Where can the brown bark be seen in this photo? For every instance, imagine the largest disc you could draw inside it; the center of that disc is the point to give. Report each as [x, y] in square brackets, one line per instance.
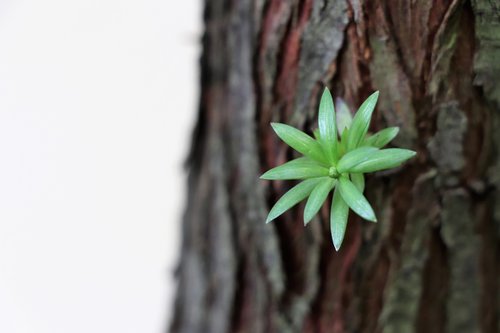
[431, 263]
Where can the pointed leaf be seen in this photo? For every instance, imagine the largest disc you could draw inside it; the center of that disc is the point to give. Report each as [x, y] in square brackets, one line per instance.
[317, 198]
[327, 126]
[361, 122]
[382, 137]
[299, 141]
[338, 219]
[299, 168]
[354, 157]
[316, 134]
[344, 115]
[343, 142]
[358, 179]
[355, 199]
[292, 197]
[384, 159]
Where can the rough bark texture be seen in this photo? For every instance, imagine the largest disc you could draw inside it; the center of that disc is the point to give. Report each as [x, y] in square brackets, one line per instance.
[432, 263]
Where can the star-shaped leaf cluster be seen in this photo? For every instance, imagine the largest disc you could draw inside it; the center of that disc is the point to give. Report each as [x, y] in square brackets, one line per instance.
[336, 159]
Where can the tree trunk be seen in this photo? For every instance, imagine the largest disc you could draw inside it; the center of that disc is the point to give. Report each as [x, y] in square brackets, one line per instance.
[431, 263]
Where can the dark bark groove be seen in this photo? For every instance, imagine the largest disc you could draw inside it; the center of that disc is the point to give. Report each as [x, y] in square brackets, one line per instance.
[432, 262]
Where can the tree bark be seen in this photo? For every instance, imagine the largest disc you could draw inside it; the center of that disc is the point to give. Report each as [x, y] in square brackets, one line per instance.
[431, 263]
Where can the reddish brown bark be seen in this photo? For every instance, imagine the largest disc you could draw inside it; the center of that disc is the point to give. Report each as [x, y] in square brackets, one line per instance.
[431, 264]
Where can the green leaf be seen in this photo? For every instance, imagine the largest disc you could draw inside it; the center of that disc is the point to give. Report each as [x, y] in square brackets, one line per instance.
[338, 219]
[361, 122]
[344, 116]
[355, 199]
[317, 198]
[354, 157]
[292, 197]
[343, 142]
[358, 179]
[382, 137]
[299, 168]
[384, 159]
[299, 141]
[316, 134]
[327, 126]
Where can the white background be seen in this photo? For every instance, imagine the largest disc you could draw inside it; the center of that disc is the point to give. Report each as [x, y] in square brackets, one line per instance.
[97, 103]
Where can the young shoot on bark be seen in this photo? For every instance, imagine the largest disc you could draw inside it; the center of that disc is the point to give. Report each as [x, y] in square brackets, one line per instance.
[335, 160]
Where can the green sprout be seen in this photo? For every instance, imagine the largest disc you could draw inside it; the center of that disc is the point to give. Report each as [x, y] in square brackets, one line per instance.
[333, 164]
